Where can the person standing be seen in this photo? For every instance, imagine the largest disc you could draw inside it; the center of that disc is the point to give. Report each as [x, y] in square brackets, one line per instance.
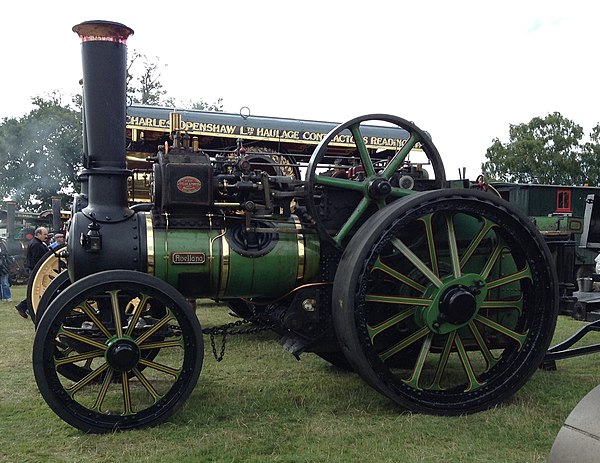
[5, 264]
[35, 251]
[57, 240]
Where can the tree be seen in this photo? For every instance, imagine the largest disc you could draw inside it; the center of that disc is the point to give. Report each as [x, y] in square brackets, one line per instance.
[202, 105]
[41, 153]
[590, 162]
[548, 150]
[147, 88]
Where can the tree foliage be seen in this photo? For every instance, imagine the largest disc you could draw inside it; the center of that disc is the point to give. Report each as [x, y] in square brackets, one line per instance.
[146, 88]
[548, 150]
[41, 153]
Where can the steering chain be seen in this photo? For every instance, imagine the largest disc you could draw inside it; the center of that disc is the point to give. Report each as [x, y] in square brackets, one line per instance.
[229, 329]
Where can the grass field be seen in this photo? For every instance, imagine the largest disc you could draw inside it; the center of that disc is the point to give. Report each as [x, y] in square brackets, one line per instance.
[260, 405]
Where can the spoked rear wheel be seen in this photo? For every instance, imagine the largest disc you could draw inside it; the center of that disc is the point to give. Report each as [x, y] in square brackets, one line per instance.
[137, 339]
[459, 283]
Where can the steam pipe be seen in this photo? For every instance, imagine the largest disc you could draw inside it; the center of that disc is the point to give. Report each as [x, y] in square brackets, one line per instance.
[104, 57]
[56, 225]
[11, 207]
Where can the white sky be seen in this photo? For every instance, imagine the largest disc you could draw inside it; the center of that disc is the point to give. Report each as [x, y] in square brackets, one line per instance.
[462, 70]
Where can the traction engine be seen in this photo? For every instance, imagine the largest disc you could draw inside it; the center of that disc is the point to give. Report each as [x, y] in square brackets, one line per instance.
[443, 299]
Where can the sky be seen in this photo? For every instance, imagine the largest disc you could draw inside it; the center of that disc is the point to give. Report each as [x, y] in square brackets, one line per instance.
[461, 70]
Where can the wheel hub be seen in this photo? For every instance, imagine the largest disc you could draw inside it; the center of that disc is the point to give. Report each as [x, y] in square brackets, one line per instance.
[454, 304]
[457, 305]
[380, 188]
[123, 354]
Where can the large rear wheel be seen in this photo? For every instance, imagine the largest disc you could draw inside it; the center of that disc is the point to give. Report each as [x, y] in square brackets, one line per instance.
[457, 282]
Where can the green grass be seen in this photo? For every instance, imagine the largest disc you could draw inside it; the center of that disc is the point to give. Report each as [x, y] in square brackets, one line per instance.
[261, 405]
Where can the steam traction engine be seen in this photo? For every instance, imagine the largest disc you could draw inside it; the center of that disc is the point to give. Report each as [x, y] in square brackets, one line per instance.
[444, 300]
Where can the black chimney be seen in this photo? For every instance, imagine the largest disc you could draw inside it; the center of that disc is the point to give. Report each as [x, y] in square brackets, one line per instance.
[104, 233]
[104, 55]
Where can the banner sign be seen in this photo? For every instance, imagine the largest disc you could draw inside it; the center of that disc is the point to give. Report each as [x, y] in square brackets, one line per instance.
[216, 124]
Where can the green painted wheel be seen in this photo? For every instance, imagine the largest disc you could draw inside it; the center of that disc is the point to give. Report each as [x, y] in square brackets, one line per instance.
[347, 187]
[459, 283]
[144, 343]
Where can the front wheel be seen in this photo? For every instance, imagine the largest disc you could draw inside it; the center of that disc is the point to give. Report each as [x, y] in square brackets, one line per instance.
[136, 338]
[458, 285]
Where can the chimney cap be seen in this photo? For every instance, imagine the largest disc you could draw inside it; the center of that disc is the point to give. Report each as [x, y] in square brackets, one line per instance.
[104, 31]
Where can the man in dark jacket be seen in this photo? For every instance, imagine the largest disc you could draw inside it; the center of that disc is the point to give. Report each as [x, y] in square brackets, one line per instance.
[35, 251]
[37, 247]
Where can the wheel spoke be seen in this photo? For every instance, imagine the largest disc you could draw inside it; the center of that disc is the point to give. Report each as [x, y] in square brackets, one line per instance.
[363, 152]
[466, 364]
[91, 312]
[400, 192]
[515, 304]
[379, 265]
[147, 385]
[162, 322]
[519, 337]
[453, 247]
[427, 221]
[404, 344]
[160, 367]
[485, 228]
[137, 312]
[341, 183]
[126, 394]
[493, 258]
[524, 274]
[162, 344]
[420, 301]
[87, 379]
[80, 338]
[114, 302]
[103, 389]
[400, 156]
[417, 262]
[352, 220]
[78, 358]
[442, 363]
[392, 321]
[490, 360]
[413, 381]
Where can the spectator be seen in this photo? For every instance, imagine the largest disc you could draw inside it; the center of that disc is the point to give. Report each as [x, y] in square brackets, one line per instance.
[35, 251]
[57, 240]
[5, 264]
